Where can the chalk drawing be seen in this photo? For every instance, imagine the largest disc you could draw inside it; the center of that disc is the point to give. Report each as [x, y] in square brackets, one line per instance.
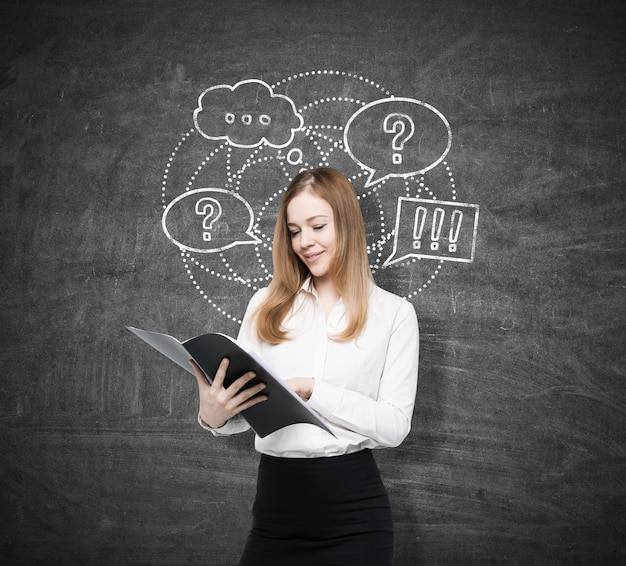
[247, 115]
[398, 124]
[451, 224]
[225, 177]
[397, 115]
[232, 214]
[210, 210]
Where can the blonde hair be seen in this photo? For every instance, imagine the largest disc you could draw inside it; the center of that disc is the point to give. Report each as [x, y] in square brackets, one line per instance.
[349, 268]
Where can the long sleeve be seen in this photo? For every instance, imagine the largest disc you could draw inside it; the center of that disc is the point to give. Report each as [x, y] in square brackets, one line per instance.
[386, 418]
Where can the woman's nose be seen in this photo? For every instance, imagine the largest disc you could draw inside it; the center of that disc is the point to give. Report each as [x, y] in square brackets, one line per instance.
[306, 239]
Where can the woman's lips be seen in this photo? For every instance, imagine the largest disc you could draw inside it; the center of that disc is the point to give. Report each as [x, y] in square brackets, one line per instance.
[311, 258]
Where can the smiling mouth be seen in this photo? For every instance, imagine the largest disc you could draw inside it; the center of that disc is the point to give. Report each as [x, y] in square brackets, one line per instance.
[312, 257]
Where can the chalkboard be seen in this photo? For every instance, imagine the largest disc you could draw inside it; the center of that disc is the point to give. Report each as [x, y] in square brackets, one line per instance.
[143, 152]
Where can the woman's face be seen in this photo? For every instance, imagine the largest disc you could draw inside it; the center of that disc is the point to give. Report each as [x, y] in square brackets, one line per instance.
[311, 223]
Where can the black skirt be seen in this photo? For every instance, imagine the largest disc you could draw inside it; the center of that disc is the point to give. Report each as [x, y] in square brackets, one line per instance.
[320, 512]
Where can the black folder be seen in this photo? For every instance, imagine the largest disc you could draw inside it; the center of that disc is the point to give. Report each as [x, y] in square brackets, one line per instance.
[282, 407]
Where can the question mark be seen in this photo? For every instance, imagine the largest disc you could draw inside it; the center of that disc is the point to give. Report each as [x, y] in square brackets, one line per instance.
[396, 123]
[211, 209]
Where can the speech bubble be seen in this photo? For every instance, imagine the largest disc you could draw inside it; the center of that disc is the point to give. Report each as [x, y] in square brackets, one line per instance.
[246, 115]
[397, 137]
[434, 229]
[209, 220]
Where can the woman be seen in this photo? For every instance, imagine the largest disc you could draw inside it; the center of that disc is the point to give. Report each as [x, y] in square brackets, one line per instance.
[350, 350]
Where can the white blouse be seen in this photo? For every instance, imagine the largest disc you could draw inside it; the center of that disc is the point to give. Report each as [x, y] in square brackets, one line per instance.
[364, 389]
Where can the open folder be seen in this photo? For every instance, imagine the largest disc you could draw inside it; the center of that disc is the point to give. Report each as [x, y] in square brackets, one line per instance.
[282, 407]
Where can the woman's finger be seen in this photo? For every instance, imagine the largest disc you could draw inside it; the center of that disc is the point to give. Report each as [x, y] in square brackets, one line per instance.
[220, 374]
[239, 383]
[247, 393]
[200, 377]
[251, 402]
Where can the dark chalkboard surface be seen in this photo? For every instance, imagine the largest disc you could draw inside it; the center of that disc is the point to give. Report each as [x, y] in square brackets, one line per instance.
[143, 152]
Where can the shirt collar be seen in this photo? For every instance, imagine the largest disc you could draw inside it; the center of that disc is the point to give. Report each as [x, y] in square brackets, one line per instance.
[308, 287]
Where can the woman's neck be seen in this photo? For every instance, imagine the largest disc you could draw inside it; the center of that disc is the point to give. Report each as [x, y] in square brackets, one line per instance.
[327, 293]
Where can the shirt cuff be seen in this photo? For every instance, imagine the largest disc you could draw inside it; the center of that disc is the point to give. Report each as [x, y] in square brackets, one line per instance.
[232, 426]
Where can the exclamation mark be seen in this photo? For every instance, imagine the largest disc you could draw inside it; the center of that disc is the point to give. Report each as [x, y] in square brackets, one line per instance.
[418, 226]
[455, 227]
[435, 232]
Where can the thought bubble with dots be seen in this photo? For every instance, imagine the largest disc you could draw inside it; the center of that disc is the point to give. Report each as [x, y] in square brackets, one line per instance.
[247, 115]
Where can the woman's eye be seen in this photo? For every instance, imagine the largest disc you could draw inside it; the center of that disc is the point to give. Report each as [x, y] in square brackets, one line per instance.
[294, 233]
[319, 227]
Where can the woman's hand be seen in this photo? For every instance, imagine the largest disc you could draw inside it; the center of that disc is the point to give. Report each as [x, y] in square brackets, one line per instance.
[219, 403]
[302, 386]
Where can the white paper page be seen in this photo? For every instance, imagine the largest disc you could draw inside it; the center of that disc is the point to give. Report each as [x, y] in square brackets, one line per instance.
[167, 345]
